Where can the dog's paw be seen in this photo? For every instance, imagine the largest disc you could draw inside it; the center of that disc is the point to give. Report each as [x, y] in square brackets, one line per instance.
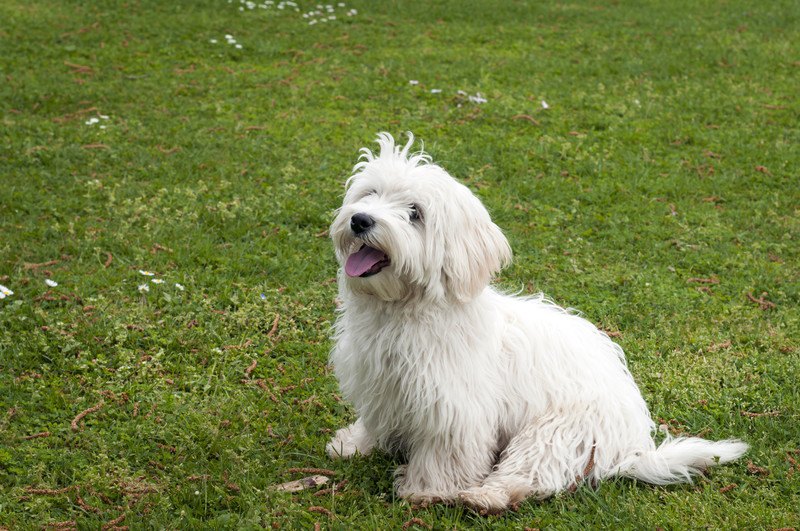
[344, 445]
[417, 494]
[485, 500]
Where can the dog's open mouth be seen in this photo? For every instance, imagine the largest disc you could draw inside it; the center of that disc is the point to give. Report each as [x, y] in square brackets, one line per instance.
[365, 262]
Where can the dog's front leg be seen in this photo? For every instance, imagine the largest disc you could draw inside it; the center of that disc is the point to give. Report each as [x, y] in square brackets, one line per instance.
[351, 440]
[437, 470]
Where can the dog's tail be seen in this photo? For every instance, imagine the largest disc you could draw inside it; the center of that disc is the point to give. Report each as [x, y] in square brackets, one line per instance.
[678, 460]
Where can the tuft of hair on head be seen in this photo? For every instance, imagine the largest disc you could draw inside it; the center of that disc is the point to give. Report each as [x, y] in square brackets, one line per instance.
[389, 151]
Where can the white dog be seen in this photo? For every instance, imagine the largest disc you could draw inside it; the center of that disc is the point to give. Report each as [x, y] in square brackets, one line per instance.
[491, 398]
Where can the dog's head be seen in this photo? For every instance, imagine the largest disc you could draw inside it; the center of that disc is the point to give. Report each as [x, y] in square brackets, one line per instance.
[406, 228]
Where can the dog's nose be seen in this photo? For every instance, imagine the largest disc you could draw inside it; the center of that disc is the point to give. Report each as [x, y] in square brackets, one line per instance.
[361, 222]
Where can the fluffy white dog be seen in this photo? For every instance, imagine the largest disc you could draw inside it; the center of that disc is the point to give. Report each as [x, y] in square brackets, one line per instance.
[491, 398]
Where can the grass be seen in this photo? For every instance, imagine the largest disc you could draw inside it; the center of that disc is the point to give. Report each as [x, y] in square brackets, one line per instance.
[669, 153]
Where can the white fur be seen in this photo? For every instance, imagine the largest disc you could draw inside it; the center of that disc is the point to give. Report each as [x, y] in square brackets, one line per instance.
[491, 398]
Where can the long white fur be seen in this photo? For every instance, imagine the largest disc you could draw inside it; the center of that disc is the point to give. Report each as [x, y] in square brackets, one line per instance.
[492, 398]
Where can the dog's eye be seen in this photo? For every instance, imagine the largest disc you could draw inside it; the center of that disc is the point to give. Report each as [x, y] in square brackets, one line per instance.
[414, 213]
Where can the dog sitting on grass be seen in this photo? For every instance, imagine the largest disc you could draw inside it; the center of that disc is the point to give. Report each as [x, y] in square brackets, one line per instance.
[491, 398]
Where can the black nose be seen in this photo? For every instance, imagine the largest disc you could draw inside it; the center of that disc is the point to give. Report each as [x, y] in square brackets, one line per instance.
[361, 222]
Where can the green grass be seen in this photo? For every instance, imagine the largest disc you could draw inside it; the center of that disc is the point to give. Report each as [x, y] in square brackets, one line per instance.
[669, 152]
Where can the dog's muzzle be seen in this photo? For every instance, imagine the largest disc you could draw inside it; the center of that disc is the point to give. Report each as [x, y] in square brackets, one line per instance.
[361, 223]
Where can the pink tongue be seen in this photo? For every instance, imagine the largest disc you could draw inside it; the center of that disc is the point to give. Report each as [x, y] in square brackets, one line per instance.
[362, 261]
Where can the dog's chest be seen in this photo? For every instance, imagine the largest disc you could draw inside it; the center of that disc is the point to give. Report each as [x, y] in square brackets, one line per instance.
[398, 373]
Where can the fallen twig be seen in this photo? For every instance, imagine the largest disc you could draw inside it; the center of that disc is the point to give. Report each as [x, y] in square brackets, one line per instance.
[526, 117]
[67, 524]
[250, 368]
[763, 303]
[274, 325]
[757, 470]
[28, 266]
[83, 413]
[320, 510]
[85, 506]
[113, 523]
[74, 115]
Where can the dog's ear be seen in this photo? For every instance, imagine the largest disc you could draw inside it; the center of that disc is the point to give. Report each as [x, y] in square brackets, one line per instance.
[475, 250]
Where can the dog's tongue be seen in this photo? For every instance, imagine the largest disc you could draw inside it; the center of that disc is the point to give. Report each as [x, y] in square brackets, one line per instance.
[362, 261]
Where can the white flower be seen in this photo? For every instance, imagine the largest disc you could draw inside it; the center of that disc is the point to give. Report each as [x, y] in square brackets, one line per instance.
[477, 98]
[332, 17]
[144, 287]
[312, 22]
[436, 91]
[5, 292]
[413, 82]
[103, 116]
[92, 121]
[157, 281]
[227, 36]
[340, 4]
[179, 286]
[147, 273]
[462, 93]
[545, 105]
[51, 283]
[213, 41]
[239, 46]
[197, 493]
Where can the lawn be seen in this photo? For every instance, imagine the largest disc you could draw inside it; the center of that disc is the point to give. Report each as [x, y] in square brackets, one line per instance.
[173, 168]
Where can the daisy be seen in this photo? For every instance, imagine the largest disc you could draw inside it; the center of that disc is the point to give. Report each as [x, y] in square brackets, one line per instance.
[51, 283]
[157, 281]
[545, 105]
[179, 286]
[147, 273]
[144, 287]
[5, 292]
